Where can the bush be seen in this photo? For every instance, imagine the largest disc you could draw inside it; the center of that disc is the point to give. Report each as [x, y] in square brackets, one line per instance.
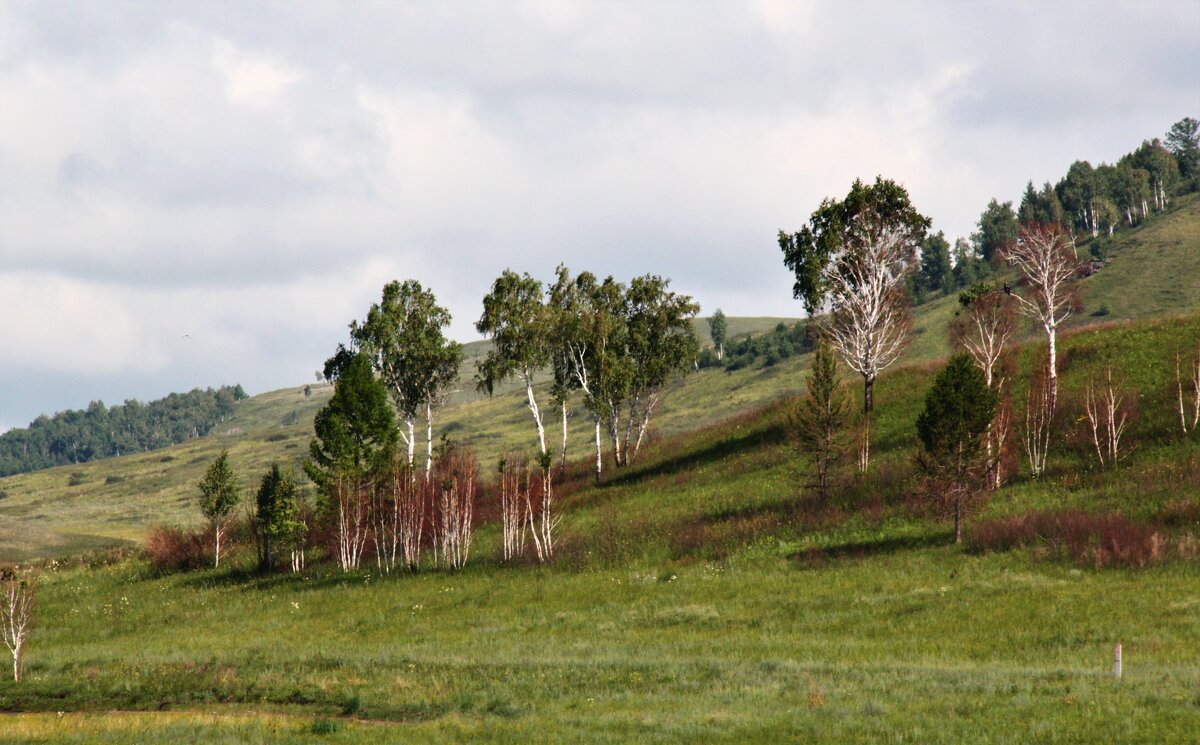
[175, 549]
[1100, 539]
[114, 479]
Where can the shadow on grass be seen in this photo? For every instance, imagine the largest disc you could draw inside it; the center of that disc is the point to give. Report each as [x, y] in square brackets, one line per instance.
[772, 434]
[815, 557]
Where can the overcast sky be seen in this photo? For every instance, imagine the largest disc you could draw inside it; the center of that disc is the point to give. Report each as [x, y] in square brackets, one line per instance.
[197, 194]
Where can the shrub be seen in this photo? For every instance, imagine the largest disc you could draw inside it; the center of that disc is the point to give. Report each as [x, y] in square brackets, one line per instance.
[1100, 539]
[114, 479]
[77, 478]
[175, 549]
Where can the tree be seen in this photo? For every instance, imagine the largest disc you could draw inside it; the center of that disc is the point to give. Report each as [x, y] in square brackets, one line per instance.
[220, 494]
[1040, 208]
[983, 333]
[18, 597]
[997, 226]
[1045, 258]
[969, 269]
[717, 326]
[276, 514]
[356, 437]
[822, 415]
[1183, 140]
[660, 342]
[403, 337]
[958, 410]
[854, 258]
[516, 319]
[1161, 167]
[1077, 192]
[936, 270]
[593, 331]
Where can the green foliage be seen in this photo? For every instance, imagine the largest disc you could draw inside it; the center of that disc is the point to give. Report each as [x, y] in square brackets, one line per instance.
[277, 514]
[780, 343]
[659, 336]
[969, 268]
[958, 410]
[403, 338]
[99, 432]
[1183, 141]
[219, 490]
[516, 320]
[997, 227]
[717, 328]
[830, 230]
[935, 272]
[1040, 208]
[356, 431]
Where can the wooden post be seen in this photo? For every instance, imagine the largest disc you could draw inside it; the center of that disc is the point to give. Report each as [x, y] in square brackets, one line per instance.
[1117, 661]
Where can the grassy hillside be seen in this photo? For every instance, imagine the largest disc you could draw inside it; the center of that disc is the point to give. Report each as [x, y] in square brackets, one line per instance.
[701, 595]
[63, 510]
[1155, 270]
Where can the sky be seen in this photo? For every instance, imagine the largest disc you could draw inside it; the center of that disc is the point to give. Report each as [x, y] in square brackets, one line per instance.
[194, 194]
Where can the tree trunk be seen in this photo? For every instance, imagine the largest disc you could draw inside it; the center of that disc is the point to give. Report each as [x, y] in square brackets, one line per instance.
[868, 394]
[957, 514]
[1052, 366]
[562, 461]
[216, 545]
[428, 439]
[537, 414]
[599, 453]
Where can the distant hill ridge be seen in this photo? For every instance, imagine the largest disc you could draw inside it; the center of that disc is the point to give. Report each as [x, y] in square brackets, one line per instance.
[81, 435]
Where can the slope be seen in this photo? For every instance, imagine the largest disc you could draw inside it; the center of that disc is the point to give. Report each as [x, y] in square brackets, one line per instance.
[698, 596]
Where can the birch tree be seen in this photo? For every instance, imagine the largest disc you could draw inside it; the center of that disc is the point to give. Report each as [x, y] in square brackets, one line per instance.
[403, 337]
[593, 331]
[18, 593]
[1044, 256]
[516, 319]
[660, 343]
[851, 262]
[220, 493]
[718, 326]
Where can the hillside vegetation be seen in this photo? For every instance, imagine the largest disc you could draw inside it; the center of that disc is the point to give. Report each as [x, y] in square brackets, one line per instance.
[62, 510]
[701, 594]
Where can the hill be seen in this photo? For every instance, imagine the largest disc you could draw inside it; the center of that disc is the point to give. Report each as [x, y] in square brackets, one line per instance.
[63, 510]
[700, 595]
[59, 511]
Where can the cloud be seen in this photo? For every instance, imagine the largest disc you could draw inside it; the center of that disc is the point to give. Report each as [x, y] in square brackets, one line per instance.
[253, 177]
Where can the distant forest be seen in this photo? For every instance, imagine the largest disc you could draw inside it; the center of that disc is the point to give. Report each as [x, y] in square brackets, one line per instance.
[82, 435]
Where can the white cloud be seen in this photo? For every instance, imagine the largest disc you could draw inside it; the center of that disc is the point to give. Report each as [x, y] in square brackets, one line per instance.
[252, 178]
[251, 79]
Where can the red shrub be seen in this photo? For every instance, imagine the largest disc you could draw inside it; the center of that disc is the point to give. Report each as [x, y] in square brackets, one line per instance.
[1101, 539]
[175, 549]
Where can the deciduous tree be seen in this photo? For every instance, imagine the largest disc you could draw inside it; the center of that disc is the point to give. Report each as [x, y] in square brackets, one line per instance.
[220, 493]
[717, 328]
[1044, 256]
[403, 336]
[18, 597]
[853, 260]
[515, 317]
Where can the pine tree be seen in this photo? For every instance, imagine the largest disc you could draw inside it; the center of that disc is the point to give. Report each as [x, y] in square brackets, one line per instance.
[958, 410]
[822, 415]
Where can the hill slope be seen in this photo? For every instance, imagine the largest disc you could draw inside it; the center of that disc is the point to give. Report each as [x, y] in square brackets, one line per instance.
[699, 595]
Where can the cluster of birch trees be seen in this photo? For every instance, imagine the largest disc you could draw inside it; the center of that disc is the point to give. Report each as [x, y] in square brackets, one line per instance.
[613, 347]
